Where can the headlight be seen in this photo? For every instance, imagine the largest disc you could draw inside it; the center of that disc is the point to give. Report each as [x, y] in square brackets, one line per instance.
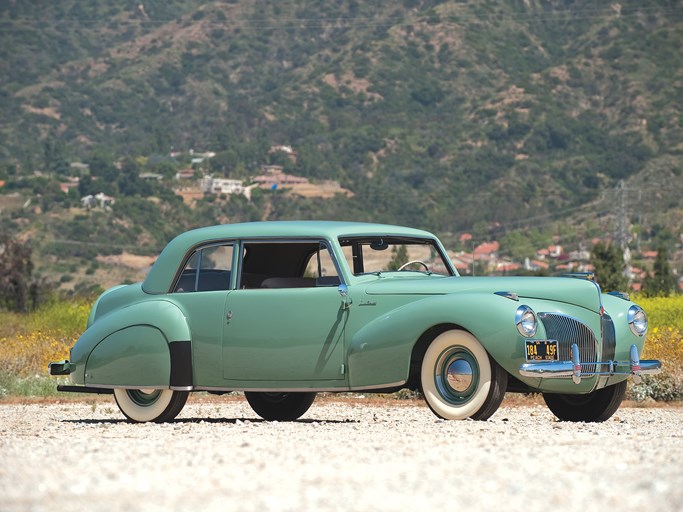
[637, 320]
[526, 322]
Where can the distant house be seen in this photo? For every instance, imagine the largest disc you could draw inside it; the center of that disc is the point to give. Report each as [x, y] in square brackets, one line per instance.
[100, 199]
[273, 177]
[151, 176]
[555, 251]
[507, 266]
[226, 186]
[486, 250]
[535, 265]
[462, 262]
[70, 184]
[649, 255]
[185, 174]
[581, 255]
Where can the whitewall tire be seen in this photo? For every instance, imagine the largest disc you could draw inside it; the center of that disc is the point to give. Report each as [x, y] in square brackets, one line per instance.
[142, 405]
[459, 380]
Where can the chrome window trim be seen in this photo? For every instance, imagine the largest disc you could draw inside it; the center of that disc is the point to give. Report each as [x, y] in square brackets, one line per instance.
[427, 240]
[200, 247]
[269, 240]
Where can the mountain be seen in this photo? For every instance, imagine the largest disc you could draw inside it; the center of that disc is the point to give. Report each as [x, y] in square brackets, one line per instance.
[437, 114]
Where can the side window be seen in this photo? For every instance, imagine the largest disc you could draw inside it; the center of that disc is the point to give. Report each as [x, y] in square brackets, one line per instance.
[287, 264]
[208, 269]
[322, 268]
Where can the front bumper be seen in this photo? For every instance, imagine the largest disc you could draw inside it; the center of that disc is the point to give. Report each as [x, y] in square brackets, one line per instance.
[573, 368]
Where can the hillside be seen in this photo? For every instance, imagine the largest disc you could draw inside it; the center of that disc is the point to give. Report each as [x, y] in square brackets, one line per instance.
[443, 115]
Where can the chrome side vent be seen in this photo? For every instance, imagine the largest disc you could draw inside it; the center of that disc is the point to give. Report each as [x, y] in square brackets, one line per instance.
[609, 339]
[567, 330]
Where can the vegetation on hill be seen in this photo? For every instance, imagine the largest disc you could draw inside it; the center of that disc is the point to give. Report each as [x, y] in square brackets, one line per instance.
[444, 115]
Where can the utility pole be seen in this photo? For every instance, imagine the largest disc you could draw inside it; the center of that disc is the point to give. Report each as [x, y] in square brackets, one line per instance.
[621, 235]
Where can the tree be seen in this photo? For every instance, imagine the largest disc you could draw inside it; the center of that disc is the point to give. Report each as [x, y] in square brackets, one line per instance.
[398, 257]
[20, 290]
[663, 282]
[608, 262]
[517, 245]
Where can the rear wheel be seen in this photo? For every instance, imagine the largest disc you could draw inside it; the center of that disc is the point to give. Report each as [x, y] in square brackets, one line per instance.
[597, 406]
[459, 379]
[158, 405]
[280, 406]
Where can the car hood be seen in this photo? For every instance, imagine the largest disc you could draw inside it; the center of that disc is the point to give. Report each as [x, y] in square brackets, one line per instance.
[579, 292]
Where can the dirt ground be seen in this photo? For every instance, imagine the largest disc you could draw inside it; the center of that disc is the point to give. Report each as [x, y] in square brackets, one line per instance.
[347, 453]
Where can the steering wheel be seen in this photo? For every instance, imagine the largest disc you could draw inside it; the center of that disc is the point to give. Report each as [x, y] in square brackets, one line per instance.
[419, 262]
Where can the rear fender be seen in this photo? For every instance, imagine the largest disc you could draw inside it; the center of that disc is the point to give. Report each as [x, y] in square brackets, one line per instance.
[135, 356]
[143, 330]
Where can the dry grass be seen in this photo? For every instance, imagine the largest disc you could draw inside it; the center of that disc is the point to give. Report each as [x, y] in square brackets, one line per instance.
[28, 342]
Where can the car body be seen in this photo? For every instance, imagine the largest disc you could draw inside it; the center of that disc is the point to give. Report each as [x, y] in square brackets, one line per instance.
[282, 310]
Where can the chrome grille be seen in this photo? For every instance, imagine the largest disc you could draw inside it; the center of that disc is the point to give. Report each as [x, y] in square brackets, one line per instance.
[609, 339]
[567, 330]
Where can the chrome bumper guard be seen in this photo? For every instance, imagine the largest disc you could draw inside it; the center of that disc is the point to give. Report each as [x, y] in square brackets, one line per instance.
[563, 369]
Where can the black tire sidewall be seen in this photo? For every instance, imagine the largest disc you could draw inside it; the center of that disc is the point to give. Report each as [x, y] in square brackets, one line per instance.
[597, 406]
[280, 406]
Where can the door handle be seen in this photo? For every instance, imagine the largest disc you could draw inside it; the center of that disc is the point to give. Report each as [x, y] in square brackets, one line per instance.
[228, 316]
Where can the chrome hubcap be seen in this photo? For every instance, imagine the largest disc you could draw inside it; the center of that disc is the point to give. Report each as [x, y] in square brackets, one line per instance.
[144, 397]
[459, 375]
[456, 375]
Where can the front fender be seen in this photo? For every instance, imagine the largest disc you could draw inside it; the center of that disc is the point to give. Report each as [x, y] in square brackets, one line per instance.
[379, 353]
[145, 327]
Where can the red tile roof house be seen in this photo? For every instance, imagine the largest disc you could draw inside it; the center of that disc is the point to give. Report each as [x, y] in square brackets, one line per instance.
[274, 178]
[487, 250]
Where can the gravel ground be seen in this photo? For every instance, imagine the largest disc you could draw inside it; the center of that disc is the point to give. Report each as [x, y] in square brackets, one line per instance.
[350, 455]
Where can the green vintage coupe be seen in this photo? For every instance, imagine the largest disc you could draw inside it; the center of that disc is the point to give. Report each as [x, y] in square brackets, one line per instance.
[283, 310]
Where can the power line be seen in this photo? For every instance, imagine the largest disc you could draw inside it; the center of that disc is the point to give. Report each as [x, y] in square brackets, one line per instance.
[360, 21]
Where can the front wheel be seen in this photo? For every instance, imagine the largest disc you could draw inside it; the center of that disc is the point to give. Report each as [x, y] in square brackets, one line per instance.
[280, 406]
[597, 406]
[142, 405]
[459, 379]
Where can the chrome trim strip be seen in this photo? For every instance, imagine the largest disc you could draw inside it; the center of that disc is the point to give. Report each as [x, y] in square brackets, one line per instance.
[508, 295]
[380, 386]
[267, 390]
[182, 388]
[621, 295]
[109, 386]
[339, 389]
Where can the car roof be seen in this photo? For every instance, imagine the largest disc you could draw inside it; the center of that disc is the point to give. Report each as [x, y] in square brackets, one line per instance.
[163, 271]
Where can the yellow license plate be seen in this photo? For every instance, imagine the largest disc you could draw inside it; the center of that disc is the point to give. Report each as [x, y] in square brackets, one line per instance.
[542, 350]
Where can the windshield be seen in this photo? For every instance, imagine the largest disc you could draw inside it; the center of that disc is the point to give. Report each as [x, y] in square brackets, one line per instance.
[379, 254]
